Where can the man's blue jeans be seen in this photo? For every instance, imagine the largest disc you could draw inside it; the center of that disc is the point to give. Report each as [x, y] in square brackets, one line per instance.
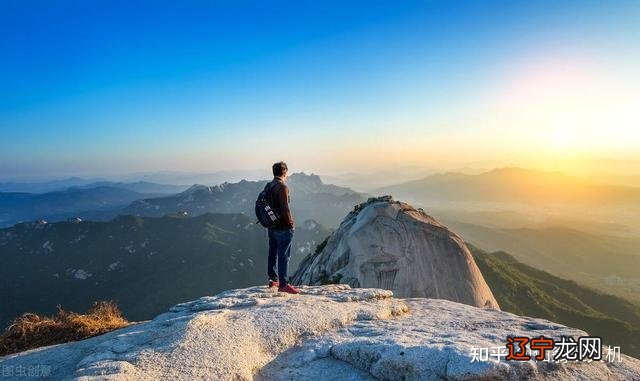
[280, 249]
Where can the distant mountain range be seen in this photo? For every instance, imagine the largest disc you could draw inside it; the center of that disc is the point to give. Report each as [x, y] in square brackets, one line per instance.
[96, 203]
[211, 178]
[310, 199]
[170, 178]
[139, 186]
[597, 260]
[524, 290]
[102, 201]
[512, 185]
[175, 178]
[145, 264]
[45, 186]
[77, 182]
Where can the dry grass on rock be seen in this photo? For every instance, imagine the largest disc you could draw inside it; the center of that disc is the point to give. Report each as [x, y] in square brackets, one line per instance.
[32, 331]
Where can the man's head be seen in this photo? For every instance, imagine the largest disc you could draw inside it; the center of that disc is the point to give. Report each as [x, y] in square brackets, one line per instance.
[280, 169]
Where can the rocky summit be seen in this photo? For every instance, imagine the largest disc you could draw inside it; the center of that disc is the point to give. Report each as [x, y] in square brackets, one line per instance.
[328, 332]
[391, 245]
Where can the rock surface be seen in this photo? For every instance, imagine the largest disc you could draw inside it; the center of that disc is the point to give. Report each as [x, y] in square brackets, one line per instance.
[326, 333]
[391, 245]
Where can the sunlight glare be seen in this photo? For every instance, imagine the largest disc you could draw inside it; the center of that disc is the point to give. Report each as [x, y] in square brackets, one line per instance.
[561, 138]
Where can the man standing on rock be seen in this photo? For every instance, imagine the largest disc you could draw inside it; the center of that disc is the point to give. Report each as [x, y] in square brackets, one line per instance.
[281, 235]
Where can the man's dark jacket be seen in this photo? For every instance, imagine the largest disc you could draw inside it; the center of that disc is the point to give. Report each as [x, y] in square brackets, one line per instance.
[278, 198]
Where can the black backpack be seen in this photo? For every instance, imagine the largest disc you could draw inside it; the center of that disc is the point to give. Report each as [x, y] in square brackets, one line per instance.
[267, 217]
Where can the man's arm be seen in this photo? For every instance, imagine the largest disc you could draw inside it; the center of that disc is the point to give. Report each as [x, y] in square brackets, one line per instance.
[282, 198]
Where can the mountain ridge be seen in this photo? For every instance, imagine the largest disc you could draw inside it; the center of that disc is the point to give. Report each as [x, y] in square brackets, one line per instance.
[314, 199]
[528, 291]
[59, 205]
[310, 199]
[512, 184]
[143, 263]
[588, 258]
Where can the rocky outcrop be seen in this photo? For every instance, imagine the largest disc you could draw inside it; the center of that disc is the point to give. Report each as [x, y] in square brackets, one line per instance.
[326, 333]
[391, 245]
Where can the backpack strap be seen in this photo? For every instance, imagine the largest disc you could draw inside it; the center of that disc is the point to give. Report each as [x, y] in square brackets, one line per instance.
[270, 186]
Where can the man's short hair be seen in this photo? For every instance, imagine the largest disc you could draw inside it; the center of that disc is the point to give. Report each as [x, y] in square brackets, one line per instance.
[279, 168]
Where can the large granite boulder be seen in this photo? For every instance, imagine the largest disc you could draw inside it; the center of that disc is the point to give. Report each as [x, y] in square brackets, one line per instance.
[391, 245]
[329, 332]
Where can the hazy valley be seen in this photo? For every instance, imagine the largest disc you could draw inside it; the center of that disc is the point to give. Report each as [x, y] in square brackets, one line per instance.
[146, 264]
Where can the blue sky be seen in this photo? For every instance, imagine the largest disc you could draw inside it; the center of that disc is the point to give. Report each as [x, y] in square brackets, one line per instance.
[119, 86]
